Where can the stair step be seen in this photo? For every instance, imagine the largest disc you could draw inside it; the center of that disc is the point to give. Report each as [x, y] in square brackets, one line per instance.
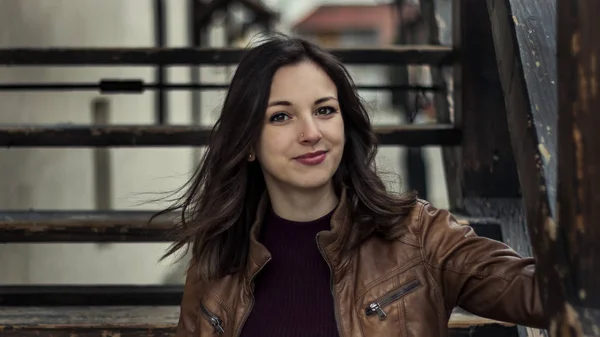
[126, 226]
[180, 135]
[84, 226]
[160, 321]
[417, 54]
[86, 295]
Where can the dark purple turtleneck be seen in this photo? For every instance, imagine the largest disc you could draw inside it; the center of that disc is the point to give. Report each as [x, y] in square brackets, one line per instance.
[292, 292]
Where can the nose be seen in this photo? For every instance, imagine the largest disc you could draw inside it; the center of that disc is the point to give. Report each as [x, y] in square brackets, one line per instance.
[310, 132]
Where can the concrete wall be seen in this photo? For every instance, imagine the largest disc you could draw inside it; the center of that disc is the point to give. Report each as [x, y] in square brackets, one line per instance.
[62, 179]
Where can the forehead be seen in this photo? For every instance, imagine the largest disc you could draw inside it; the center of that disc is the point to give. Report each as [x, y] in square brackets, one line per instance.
[305, 80]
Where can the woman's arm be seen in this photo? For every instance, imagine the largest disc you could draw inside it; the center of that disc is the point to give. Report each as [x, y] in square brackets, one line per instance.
[190, 303]
[483, 276]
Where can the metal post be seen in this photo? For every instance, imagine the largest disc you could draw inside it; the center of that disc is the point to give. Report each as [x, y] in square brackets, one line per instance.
[161, 71]
[102, 164]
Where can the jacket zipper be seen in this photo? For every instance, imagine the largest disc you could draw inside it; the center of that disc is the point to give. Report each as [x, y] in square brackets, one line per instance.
[252, 299]
[335, 309]
[377, 306]
[214, 320]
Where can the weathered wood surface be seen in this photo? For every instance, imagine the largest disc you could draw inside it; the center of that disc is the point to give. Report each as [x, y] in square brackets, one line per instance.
[524, 35]
[422, 54]
[160, 321]
[487, 166]
[182, 135]
[128, 226]
[578, 62]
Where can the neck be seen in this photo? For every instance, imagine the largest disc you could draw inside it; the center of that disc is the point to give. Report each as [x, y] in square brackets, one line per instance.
[302, 205]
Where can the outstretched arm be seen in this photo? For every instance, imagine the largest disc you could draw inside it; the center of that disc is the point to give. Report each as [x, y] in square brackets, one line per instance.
[483, 276]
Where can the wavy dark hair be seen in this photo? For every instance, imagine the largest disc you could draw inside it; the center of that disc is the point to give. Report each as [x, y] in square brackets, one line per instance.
[221, 199]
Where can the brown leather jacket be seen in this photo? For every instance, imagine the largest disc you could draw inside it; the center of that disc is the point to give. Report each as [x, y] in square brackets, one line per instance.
[403, 288]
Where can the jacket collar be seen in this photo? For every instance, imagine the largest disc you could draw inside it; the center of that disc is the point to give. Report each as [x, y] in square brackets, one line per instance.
[259, 255]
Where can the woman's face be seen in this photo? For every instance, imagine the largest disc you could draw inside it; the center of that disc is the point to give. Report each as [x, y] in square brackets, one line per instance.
[302, 139]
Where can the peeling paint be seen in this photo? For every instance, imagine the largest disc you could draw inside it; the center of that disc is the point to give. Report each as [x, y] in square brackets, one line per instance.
[575, 43]
[580, 223]
[544, 151]
[582, 294]
[551, 228]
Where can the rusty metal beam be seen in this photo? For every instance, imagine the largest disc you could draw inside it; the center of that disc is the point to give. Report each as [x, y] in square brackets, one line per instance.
[84, 226]
[175, 135]
[161, 321]
[577, 233]
[422, 54]
[128, 226]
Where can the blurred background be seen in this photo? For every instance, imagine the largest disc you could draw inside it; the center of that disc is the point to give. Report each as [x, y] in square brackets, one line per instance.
[131, 178]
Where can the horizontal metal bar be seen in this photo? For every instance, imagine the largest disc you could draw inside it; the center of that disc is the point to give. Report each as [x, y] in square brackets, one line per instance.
[85, 226]
[418, 54]
[84, 295]
[135, 86]
[172, 135]
[128, 226]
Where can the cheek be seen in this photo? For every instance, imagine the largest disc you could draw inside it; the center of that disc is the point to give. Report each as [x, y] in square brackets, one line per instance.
[272, 144]
[336, 132]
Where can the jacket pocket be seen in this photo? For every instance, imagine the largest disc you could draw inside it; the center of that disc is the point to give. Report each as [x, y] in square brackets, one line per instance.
[378, 307]
[215, 321]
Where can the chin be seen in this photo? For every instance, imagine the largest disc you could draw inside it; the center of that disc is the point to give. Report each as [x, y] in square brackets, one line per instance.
[311, 182]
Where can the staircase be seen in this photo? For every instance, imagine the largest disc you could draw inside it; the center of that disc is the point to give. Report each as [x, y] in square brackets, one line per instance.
[128, 311]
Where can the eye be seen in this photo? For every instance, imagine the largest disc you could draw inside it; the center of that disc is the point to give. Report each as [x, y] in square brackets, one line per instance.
[279, 117]
[326, 110]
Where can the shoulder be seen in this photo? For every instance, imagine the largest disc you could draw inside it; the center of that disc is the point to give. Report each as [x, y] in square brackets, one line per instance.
[426, 220]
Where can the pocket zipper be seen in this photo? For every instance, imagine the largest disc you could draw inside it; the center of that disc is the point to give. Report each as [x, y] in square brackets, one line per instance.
[214, 320]
[377, 306]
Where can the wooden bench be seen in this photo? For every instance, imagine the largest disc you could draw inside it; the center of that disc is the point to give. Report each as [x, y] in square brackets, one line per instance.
[160, 321]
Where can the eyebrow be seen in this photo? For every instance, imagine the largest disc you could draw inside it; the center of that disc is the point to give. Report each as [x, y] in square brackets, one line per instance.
[287, 103]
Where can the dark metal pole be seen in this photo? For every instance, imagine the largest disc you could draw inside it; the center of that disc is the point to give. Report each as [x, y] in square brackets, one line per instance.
[161, 72]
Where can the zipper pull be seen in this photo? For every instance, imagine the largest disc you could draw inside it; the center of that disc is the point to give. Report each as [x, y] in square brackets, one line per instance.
[375, 308]
[218, 325]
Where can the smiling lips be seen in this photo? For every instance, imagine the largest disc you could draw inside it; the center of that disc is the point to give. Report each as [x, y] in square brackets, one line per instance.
[313, 158]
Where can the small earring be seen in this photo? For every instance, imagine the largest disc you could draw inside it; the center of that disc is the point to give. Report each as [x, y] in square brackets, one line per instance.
[250, 156]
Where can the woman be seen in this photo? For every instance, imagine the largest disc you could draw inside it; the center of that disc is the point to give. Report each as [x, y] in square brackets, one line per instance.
[292, 232]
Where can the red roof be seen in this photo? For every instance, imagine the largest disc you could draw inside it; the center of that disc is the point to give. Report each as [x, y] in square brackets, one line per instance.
[340, 18]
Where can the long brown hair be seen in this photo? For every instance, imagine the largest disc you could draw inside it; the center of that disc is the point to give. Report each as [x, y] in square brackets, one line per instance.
[220, 201]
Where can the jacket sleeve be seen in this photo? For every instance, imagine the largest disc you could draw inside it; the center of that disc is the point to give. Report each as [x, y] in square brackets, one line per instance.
[186, 327]
[482, 276]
